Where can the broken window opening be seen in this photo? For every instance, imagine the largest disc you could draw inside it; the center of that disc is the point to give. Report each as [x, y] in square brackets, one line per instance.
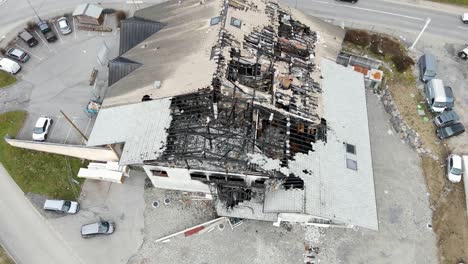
[293, 183]
[198, 176]
[159, 173]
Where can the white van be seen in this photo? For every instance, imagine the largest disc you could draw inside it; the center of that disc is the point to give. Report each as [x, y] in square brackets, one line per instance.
[438, 96]
[9, 66]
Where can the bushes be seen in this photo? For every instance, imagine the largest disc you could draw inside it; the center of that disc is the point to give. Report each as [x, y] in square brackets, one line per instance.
[381, 45]
[358, 37]
[31, 25]
[402, 62]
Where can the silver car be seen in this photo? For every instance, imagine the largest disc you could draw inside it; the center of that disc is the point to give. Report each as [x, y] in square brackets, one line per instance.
[98, 228]
[17, 55]
[64, 26]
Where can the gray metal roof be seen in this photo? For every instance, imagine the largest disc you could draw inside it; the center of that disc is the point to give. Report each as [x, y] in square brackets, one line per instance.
[141, 126]
[134, 30]
[119, 68]
[88, 10]
[332, 190]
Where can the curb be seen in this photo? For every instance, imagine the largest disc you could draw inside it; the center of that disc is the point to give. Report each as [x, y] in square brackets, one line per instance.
[6, 250]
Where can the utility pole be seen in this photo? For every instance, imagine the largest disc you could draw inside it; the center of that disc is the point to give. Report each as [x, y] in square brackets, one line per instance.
[428, 20]
[33, 10]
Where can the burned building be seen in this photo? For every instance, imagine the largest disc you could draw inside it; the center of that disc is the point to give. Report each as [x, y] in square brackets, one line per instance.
[236, 99]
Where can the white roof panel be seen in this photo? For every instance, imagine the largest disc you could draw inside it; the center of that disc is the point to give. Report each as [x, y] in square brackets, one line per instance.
[142, 127]
[333, 190]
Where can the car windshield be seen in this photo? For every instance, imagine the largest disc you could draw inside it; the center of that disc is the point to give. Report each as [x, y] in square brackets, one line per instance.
[38, 130]
[66, 206]
[103, 227]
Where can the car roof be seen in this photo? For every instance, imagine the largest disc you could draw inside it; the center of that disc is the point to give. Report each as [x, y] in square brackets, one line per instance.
[465, 16]
[63, 23]
[40, 122]
[457, 161]
[16, 51]
[90, 228]
[54, 203]
[454, 128]
[449, 115]
[7, 62]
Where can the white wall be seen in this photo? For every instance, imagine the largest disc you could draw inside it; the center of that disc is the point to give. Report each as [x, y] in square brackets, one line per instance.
[82, 152]
[178, 179]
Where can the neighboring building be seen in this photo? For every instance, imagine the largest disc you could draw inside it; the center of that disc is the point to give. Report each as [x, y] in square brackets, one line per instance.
[89, 14]
[229, 100]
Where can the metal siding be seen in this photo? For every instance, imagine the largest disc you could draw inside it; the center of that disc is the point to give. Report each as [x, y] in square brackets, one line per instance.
[119, 68]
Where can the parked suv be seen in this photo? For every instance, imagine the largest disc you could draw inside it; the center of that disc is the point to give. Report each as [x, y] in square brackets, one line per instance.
[61, 206]
[47, 31]
[446, 118]
[28, 38]
[17, 55]
[98, 228]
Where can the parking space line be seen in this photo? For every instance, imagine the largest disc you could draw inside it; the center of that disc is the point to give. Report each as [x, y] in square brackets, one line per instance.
[86, 130]
[58, 32]
[465, 28]
[68, 134]
[43, 40]
[74, 26]
[35, 56]
[55, 126]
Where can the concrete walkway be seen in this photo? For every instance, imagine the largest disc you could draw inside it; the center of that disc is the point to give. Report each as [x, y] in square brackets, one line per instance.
[23, 231]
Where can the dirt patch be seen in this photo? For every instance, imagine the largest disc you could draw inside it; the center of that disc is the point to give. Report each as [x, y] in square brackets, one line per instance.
[449, 220]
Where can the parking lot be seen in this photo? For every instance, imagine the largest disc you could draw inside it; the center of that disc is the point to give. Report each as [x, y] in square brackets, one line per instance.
[56, 78]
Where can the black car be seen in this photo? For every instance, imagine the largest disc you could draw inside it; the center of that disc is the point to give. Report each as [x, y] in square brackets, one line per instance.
[28, 38]
[349, 1]
[47, 31]
[450, 130]
[446, 118]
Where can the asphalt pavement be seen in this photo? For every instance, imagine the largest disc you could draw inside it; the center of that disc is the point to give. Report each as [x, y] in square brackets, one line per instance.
[405, 16]
[24, 232]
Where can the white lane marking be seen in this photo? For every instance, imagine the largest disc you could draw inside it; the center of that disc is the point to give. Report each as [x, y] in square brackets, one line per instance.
[74, 26]
[58, 32]
[369, 10]
[55, 124]
[30, 53]
[43, 40]
[69, 131]
[86, 130]
[465, 28]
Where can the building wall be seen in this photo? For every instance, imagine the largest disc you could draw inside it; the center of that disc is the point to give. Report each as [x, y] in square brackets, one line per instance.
[88, 20]
[82, 152]
[176, 179]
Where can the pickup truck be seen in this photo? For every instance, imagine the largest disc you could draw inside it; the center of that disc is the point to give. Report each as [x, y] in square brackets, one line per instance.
[47, 31]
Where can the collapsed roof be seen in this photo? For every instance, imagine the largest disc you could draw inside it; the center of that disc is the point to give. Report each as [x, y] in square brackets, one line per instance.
[243, 98]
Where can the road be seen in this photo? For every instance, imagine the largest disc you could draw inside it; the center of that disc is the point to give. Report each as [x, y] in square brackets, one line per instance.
[26, 234]
[398, 15]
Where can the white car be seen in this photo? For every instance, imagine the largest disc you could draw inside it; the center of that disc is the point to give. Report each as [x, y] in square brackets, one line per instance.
[62, 206]
[464, 18]
[98, 228]
[64, 26]
[41, 129]
[454, 168]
